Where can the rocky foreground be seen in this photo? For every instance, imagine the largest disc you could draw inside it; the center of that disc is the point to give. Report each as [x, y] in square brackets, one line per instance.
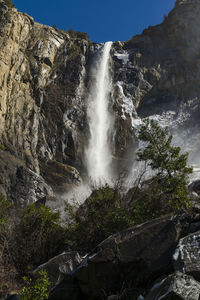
[158, 259]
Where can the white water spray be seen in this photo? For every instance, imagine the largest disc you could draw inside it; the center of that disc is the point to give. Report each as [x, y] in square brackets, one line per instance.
[98, 154]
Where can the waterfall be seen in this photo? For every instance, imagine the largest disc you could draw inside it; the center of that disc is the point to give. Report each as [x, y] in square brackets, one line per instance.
[98, 154]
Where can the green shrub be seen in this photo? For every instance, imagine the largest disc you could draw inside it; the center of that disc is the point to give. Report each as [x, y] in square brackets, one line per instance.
[5, 207]
[38, 237]
[2, 147]
[102, 215]
[36, 289]
[82, 35]
[169, 165]
[8, 273]
[146, 202]
[72, 33]
[78, 34]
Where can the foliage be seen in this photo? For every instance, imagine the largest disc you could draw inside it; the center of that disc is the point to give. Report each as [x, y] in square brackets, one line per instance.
[169, 165]
[9, 3]
[82, 35]
[5, 207]
[78, 34]
[26, 240]
[72, 33]
[36, 289]
[102, 215]
[8, 273]
[2, 147]
[38, 237]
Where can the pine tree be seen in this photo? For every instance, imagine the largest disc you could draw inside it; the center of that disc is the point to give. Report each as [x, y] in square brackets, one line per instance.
[168, 163]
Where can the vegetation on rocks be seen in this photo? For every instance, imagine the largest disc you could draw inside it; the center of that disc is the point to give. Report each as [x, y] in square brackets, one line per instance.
[38, 237]
[103, 214]
[35, 289]
[78, 34]
[27, 239]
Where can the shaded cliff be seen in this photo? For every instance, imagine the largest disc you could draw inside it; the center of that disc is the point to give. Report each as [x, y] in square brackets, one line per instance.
[44, 83]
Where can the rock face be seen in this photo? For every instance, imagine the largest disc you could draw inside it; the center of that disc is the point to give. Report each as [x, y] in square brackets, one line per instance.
[40, 71]
[186, 256]
[59, 267]
[159, 70]
[175, 286]
[132, 255]
[141, 263]
[44, 83]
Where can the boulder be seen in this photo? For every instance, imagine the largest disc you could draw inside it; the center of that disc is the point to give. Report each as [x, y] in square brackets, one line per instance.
[59, 267]
[195, 187]
[60, 176]
[175, 286]
[186, 257]
[137, 254]
[13, 297]
[68, 289]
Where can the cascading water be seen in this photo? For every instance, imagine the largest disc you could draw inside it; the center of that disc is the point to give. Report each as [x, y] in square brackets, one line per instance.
[98, 154]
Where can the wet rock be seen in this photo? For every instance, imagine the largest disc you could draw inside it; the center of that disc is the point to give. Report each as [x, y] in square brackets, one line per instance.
[186, 256]
[195, 187]
[59, 267]
[175, 286]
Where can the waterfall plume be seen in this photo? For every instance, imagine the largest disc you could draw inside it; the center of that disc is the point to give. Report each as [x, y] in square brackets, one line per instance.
[98, 154]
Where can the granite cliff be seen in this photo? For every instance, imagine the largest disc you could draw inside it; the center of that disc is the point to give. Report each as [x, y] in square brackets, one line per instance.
[44, 83]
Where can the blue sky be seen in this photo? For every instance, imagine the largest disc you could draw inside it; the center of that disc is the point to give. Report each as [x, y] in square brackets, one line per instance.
[103, 20]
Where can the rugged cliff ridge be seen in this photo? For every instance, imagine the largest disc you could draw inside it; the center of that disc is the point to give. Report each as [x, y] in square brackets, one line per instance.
[44, 82]
[40, 71]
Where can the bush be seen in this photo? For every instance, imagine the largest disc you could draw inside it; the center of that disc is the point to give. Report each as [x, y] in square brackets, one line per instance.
[38, 237]
[8, 273]
[82, 35]
[5, 207]
[101, 215]
[72, 33]
[36, 289]
[2, 147]
[78, 34]
[5, 229]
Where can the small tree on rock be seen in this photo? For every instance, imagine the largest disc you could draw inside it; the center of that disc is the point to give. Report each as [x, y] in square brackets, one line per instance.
[170, 165]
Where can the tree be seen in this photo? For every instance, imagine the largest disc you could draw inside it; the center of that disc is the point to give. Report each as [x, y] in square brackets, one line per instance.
[169, 164]
[38, 237]
[102, 214]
